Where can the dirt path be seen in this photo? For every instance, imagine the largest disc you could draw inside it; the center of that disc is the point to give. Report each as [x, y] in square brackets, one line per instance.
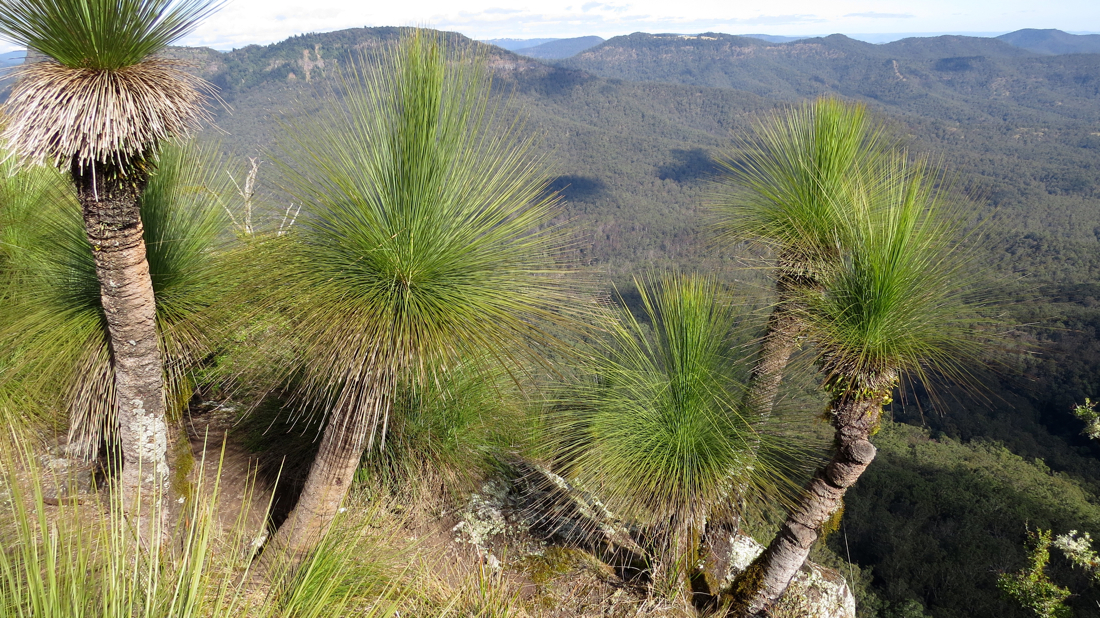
[241, 497]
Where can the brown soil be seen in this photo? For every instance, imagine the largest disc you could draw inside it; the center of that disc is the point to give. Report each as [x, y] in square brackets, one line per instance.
[225, 467]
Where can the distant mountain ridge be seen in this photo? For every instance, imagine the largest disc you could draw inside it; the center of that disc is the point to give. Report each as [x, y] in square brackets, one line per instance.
[12, 58]
[772, 38]
[517, 44]
[561, 48]
[952, 77]
[1053, 41]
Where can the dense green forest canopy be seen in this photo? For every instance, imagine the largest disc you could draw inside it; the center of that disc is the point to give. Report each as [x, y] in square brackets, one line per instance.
[632, 126]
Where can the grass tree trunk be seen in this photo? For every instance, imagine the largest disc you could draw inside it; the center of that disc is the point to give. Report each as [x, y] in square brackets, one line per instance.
[781, 338]
[330, 478]
[856, 413]
[776, 348]
[112, 220]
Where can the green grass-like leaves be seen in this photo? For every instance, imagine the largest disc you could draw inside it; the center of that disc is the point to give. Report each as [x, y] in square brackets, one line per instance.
[656, 431]
[902, 298]
[100, 34]
[429, 234]
[84, 560]
[454, 428]
[789, 186]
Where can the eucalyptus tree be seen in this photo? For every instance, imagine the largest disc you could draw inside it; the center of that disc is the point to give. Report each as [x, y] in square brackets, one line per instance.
[790, 188]
[429, 240]
[53, 328]
[98, 106]
[898, 301]
[656, 429]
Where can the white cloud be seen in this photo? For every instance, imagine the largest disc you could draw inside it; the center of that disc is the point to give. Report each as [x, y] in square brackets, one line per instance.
[874, 15]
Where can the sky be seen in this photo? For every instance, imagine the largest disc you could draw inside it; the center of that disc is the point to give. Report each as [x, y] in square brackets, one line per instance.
[244, 22]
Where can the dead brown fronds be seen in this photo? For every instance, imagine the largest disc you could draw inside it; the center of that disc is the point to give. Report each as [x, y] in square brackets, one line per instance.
[60, 114]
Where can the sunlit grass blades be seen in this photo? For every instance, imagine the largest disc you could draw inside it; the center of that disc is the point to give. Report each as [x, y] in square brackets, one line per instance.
[82, 560]
[903, 299]
[655, 428]
[790, 185]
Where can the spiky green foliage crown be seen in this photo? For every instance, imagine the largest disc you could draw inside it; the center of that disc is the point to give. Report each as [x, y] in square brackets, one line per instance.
[101, 34]
[429, 233]
[790, 184]
[103, 97]
[656, 431]
[903, 297]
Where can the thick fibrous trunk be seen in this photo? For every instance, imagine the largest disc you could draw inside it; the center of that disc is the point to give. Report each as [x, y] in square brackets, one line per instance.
[793, 280]
[775, 352]
[329, 480]
[856, 413]
[112, 221]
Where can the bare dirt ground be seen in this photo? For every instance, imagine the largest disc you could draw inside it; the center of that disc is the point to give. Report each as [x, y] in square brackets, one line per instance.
[226, 470]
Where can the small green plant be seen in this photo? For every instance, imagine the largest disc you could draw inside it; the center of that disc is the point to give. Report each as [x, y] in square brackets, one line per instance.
[1087, 413]
[1030, 587]
[452, 429]
[656, 430]
[1078, 549]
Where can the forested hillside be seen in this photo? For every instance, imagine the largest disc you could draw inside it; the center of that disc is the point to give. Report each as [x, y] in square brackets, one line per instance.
[632, 127]
[561, 48]
[1050, 41]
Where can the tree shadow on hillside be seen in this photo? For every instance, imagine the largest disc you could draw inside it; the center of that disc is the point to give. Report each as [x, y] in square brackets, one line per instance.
[575, 188]
[688, 165]
[554, 83]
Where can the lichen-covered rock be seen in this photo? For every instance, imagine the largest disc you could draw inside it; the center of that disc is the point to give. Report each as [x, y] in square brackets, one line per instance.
[483, 517]
[815, 592]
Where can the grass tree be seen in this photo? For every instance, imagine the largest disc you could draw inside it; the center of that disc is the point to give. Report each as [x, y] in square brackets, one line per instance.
[789, 188]
[24, 195]
[428, 241]
[898, 302]
[452, 430]
[656, 430]
[52, 327]
[98, 106]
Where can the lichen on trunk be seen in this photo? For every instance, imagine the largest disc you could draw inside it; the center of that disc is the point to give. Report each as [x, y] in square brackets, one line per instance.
[109, 197]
